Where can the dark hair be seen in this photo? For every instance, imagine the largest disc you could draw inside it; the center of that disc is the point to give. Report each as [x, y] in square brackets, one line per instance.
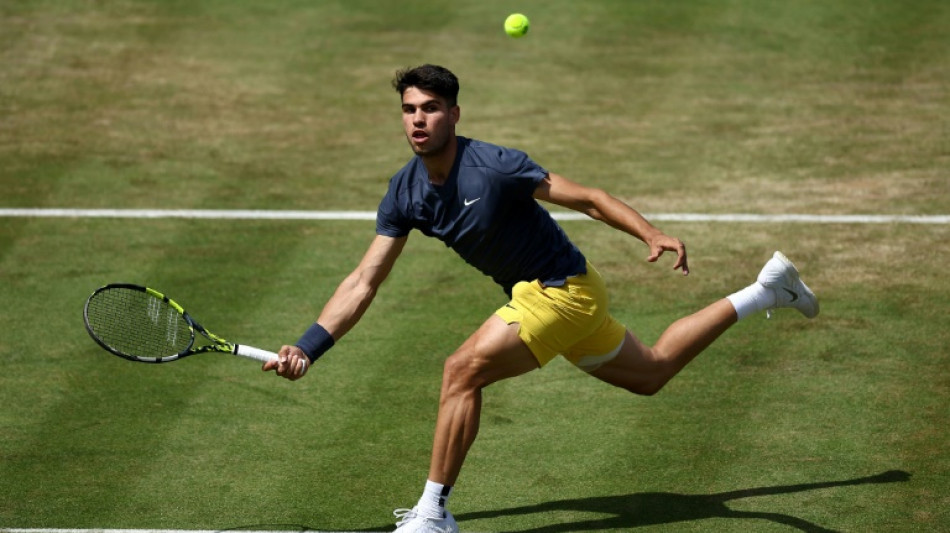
[430, 78]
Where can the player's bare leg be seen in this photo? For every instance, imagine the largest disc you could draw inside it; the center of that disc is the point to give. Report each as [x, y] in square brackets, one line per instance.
[493, 353]
[645, 370]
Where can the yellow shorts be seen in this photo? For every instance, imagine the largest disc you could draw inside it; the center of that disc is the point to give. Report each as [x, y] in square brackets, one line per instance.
[571, 320]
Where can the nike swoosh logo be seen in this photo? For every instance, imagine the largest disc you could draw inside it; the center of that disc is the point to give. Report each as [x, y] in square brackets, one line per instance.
[470, 202]
[792, 293]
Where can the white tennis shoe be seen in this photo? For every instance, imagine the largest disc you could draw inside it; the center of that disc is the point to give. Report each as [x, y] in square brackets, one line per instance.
[410, 521]
[780, 275]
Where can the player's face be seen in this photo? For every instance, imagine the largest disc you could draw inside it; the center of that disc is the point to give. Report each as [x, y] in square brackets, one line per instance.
[428, 120]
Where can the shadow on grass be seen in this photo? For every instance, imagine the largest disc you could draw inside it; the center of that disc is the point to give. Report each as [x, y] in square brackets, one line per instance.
[655, 508]
[647, 509]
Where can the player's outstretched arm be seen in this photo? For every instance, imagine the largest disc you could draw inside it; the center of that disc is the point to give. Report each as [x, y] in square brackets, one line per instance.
[357, 290]
[600, 205]
[347, 305]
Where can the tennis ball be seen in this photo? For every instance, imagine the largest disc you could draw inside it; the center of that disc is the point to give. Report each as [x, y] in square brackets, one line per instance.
[516, 25]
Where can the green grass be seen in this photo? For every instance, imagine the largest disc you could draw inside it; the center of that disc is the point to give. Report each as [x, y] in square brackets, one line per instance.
[763, 107]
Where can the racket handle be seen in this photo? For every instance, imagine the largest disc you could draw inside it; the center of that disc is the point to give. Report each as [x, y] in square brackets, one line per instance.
[260, 355]
[254, 353]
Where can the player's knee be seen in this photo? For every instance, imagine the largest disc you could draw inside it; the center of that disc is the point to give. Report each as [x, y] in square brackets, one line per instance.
[648, 388]
[460, 373]
[639, 384]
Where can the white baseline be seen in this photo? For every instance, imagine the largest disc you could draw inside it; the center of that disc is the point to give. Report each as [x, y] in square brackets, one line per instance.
[96, 530]
[251, 214]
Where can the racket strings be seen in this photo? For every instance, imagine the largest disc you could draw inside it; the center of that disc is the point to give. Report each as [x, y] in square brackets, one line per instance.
[136, 323]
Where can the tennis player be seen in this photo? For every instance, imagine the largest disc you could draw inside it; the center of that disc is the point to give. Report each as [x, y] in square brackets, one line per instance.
[482, 201]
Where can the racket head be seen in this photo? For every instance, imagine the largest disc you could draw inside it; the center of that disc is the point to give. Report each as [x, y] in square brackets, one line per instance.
[138, 323]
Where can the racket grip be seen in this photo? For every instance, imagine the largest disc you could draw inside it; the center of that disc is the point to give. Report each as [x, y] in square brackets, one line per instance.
[254, 353]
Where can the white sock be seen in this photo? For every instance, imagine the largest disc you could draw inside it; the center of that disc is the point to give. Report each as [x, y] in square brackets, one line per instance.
[752, 299]
[432, 502]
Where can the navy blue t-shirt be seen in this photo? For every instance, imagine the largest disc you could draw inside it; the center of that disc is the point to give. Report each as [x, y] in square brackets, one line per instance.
[486, 212]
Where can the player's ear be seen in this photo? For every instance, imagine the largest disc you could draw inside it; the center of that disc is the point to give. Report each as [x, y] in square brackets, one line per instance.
[455, 113]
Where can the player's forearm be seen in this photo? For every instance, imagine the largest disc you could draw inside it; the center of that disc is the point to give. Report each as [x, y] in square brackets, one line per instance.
[339, 315]
[621, 216]
[356, 292]
[347, 305]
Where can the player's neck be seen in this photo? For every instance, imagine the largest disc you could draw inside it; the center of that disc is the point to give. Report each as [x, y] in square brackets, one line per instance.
[439, 165]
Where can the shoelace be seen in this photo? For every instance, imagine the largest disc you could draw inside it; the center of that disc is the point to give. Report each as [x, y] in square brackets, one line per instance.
[407, 515]
[404, 515]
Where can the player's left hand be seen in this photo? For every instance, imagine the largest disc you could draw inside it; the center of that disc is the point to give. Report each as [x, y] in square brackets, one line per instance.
[662, 243]
[291, 363]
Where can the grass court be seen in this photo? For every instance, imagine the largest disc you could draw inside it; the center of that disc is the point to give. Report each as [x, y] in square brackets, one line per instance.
[759, 107]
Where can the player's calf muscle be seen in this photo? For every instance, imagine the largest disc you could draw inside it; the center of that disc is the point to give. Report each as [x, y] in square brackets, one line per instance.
[640, 384]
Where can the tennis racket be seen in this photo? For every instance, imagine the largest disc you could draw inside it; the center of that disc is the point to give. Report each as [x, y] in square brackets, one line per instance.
[141, 324]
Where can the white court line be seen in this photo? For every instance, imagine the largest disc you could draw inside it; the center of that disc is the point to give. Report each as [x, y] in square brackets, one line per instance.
[102, 530]
[231, 530]
[226, 214]
[213, 214]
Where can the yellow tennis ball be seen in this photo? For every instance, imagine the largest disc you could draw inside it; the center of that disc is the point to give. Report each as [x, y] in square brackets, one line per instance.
[516, 25]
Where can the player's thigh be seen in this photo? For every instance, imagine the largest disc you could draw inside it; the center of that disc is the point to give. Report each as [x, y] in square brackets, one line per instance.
[494, 352]
[635, 367]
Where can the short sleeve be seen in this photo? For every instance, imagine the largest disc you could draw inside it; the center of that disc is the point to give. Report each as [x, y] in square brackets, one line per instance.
[516, 164]
[390, 220]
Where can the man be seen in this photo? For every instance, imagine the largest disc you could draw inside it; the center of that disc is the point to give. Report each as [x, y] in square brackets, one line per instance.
[480, 199]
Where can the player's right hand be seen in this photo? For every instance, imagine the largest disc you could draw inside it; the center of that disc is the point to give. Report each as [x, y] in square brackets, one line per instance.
[291, 363]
